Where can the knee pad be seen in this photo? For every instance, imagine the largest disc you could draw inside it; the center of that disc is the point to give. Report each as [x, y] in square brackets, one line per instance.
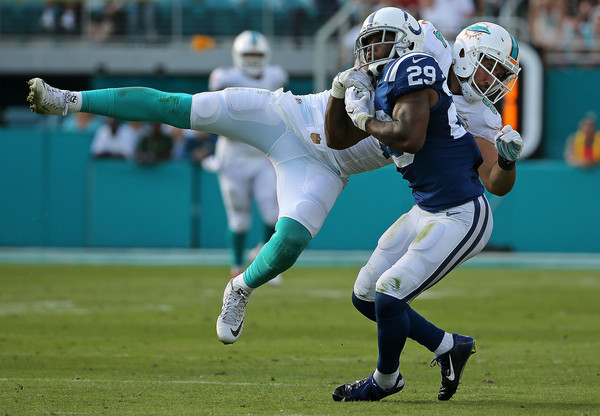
[290, 239]
[398, 282]
[364, 286]
[206, 108]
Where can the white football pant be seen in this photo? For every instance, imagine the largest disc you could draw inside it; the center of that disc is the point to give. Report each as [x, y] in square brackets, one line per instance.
[422, 247]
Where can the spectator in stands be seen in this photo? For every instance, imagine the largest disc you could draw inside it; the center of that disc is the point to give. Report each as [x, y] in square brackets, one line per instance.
[300, 18]
[591, 35]
[154, 146]
[546, 24]
[66, 12]
[448, 16]
[142, 23]
[115, 139]
[107, 19]
[583, 147]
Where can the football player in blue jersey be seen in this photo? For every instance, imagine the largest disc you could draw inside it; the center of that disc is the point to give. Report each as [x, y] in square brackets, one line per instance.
[412, 113]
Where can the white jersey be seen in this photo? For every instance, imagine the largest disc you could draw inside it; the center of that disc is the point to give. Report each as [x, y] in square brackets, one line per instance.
[480, 118]
[307, 119]
[273, 77]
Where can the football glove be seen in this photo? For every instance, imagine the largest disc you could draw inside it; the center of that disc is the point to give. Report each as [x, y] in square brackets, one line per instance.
[509, 144]
[360, 106]
[350, 78]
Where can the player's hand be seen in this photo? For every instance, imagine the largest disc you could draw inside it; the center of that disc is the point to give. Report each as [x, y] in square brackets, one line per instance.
[351, 78]
[509, 144]
[360, 106]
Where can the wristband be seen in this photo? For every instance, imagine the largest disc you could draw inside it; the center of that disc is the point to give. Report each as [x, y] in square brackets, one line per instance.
[337, 91]
[361, 121]
[506, 164]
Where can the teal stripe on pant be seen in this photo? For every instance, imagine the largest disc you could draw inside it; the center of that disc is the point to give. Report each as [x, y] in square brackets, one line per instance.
[139, 104]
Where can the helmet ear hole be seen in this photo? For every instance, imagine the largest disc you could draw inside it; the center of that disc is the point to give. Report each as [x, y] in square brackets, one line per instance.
[462, 53]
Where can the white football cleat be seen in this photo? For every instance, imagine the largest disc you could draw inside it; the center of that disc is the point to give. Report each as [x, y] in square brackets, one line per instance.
[44, 99]
[230, 322]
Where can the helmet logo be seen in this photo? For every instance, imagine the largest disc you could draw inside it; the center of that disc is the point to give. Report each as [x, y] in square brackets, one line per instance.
[477, 30]
[416, 32]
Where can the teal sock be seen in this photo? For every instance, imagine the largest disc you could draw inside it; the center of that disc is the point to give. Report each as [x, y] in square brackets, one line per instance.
[279, 253]
[238, 241]
[139, 104]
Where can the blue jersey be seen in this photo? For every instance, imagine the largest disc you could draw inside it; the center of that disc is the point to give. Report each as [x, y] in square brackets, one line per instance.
[443, 174]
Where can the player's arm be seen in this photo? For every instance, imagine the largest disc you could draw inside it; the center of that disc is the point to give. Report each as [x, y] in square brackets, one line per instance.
[407, 130]
[340, 132]
[496, 180]
[499, 177]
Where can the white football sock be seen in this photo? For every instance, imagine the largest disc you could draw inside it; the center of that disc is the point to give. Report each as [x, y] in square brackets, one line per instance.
[386, 381]
[446, 345]
[239, 281]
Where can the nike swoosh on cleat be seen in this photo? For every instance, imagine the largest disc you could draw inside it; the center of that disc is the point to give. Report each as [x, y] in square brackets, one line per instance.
[417, 60]
[449, 213]
[237, 331]
[451, 376]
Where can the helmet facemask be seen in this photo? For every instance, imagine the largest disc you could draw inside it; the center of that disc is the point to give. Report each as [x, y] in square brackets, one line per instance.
[500, 86]
[253, 63]
[490, 47]
[392, 27]
[364, 49]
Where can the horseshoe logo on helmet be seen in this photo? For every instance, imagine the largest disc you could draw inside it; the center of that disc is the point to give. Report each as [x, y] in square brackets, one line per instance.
[417, 31]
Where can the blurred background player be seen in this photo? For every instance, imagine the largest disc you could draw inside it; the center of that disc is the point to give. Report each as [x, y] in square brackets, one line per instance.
[244, 172]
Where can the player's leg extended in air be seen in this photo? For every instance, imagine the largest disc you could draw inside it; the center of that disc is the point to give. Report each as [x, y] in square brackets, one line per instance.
[307, 187]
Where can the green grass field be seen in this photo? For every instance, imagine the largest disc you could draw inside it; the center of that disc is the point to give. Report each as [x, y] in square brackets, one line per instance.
[132, 340]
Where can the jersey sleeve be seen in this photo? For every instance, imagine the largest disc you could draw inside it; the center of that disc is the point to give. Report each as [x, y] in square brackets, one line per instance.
[410, 73]
[436, 45]
[484, 120]
[279, 76]
[215, 80]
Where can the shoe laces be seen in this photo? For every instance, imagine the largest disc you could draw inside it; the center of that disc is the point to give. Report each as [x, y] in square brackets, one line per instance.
[357, 384]
[57, 98]
[440, 361]
[234, 305]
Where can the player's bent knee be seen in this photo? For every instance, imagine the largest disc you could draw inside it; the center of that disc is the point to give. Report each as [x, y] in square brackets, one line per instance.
[290, 239]
[397, 282]
[364, 286]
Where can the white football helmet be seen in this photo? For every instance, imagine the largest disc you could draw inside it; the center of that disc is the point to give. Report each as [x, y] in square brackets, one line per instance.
[485, 40]
[251, 52]
[408, 37]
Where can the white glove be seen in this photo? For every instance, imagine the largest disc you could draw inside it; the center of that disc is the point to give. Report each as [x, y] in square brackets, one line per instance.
[351, 78]
[509, 143]
[360, 106]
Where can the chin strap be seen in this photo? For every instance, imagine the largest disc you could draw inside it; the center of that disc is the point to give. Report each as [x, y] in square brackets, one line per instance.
[469, 93]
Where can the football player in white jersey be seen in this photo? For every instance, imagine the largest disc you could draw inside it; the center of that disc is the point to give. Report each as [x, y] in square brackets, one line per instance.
[289, 129]
[244, 171]
[412, 113]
